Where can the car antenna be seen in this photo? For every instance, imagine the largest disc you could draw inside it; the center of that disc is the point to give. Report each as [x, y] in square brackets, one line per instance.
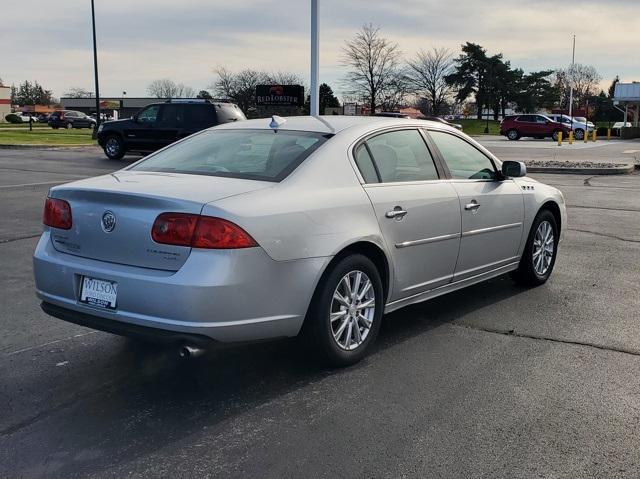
[276, 122]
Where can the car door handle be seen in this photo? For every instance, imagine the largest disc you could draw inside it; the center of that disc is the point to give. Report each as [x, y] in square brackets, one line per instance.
[473, 206]
[397, 213]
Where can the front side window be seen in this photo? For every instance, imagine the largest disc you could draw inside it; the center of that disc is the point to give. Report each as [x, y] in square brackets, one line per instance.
[402, 156]
[463, 160]
[248, 154]
[149, 114]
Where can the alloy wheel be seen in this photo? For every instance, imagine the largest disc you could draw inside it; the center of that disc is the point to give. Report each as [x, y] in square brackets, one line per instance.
[352, 310]
[112, 146]
[543, 248]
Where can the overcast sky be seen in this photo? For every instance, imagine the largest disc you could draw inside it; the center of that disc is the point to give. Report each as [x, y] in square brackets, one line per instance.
[142, 40]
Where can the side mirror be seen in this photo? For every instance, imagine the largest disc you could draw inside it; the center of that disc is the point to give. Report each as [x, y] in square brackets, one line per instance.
[514, 169]
[135, 118]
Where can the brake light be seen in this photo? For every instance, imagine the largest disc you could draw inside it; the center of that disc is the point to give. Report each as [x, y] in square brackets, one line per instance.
[61, 115]
[183, 229]
[57, 214]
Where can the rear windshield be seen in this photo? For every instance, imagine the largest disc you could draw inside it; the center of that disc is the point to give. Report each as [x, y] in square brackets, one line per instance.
[249, 154]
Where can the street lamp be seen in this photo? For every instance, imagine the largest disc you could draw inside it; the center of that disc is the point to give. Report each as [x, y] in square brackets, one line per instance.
[315, 92]
[95, 65]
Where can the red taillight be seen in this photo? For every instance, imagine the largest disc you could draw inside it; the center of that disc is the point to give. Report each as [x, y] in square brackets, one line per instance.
[183, 229]
[57, 214]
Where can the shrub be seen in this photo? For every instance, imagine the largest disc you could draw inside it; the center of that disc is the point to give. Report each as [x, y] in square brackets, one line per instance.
[13, 118]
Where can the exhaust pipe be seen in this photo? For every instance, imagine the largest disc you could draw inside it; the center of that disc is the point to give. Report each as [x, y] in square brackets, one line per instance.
[190, 352]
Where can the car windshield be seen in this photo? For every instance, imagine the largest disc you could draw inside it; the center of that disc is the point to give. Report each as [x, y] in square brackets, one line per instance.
[249, 154]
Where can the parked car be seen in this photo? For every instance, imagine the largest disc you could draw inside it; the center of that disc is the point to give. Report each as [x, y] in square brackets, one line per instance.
[273, 228]
[621, 124]
[536, 126]
[579, 124]
[25, 117]
[70, 119]
[160, 124]
[457, 126]
[392, 114]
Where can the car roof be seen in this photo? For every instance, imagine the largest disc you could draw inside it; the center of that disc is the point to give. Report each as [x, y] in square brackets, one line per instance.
[328, 123]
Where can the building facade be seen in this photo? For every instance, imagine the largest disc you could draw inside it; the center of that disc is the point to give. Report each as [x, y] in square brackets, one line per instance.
[5, 102]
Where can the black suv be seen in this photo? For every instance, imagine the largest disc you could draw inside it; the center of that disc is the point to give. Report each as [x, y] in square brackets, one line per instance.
[160, 124]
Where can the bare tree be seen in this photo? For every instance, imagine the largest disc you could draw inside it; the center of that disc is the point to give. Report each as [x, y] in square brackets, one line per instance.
[584, 78]
[239, 87]
[78, 92]
[427, 72]
[167, 88]
[374, 63]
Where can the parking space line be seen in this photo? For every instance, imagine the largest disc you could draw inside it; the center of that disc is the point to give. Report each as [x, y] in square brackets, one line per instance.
[38, 346]
[38, 184]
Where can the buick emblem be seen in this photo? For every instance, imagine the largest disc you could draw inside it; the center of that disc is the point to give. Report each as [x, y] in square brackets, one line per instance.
[108, 222]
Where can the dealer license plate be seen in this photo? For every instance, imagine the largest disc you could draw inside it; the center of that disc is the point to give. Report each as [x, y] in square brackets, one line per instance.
[98, 292]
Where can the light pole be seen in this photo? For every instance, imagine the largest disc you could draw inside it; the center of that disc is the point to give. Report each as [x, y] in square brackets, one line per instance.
[315, 92]
[573, 59]
[95, 65]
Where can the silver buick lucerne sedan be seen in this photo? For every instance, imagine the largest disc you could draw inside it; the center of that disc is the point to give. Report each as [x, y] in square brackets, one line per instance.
[311, 226]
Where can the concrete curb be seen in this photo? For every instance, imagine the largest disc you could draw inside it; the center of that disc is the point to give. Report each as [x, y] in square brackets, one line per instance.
[45, 147]
[616, 170]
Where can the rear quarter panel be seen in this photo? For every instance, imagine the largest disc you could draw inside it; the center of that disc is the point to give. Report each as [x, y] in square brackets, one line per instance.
[315, 212]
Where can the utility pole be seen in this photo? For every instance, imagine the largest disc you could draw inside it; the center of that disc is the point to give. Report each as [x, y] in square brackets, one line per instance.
[315, 92]
[573, 61]
[95, 65]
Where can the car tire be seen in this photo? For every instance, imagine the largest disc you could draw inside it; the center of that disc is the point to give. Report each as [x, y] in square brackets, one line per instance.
[114, 147]
[537, 262]
[579, 134]
[69, 125]
[513, 135]
[333, 316]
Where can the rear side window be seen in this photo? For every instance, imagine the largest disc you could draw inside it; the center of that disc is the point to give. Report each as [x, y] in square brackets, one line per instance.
[365, 165]
[228, 113]
[463, 160]
[527, 118]
[402, 156]
[200, 116]
[171, 115]
[248, 154]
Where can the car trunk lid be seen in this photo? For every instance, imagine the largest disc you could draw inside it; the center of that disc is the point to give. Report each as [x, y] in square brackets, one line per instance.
[112, 215]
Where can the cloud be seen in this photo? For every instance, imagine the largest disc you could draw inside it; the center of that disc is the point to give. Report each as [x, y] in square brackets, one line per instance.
[139, 41]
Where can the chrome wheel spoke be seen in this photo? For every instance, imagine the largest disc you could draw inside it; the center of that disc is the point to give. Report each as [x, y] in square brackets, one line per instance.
[337, 315]
[367, 304]
[357, 336]
[341, 299]
[347, 339]
[341, 329]
[365, 290]
[366, 322]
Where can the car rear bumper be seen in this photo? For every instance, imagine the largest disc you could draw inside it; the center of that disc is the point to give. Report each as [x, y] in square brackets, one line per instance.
[222, 295]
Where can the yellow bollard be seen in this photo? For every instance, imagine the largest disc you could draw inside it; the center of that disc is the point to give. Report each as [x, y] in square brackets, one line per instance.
[608, 133]
[586, 136]
[595, 136]
[571, 137]
[559, 138]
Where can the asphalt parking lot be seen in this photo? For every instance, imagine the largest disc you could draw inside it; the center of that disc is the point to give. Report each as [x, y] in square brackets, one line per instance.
[492, 381]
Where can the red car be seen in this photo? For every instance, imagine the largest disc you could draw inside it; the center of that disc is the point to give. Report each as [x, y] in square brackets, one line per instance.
[536, 126]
